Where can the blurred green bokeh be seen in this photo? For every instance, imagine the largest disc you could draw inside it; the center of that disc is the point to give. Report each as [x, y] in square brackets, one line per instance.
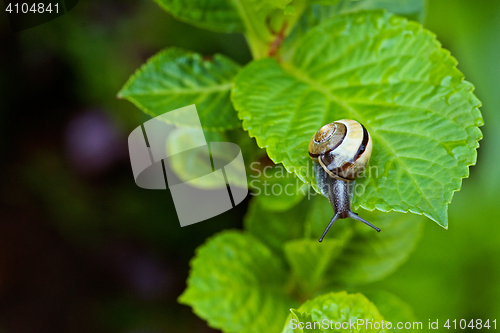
[84, 249]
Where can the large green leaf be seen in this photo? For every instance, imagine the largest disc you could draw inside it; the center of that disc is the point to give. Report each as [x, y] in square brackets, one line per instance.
[335, 308]
[238, 285]
[175, 78]
[393, 77]
[351, 253]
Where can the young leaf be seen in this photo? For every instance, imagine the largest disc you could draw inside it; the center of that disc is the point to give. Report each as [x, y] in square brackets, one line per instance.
[339, 308]
[365, 255]
[216, 15]
[393, 77]
[238, 285]
[308, 323]
[175, 78]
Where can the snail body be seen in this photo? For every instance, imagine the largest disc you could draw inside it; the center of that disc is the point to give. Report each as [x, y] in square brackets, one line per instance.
[341, 150]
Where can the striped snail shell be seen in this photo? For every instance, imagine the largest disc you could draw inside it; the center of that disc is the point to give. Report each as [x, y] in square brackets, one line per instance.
[341, 150]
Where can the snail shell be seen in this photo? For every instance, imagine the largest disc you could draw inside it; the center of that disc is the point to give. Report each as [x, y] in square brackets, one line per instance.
[343, 148]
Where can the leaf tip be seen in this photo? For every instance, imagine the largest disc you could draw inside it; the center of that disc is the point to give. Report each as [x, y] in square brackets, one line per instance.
[185, 298]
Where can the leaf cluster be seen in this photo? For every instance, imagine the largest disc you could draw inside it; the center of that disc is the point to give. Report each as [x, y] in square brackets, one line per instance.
[316, 61]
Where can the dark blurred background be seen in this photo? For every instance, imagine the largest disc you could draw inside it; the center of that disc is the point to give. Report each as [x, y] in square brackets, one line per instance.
[83, 249]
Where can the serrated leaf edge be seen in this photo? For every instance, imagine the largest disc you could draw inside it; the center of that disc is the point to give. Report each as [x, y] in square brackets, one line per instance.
[448, 56]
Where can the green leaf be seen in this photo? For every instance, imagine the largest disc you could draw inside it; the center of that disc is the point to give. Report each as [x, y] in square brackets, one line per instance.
[265, 20]
[314, 15]
[306, 219]
[274, 228]
[175, 78]
[303, 317]
[260, 20]
[371, 256]
[392, 308]
[217, 15]
[310, 259]
[238, 285]
[365, 256]
[339, 308]
[249, 149]
[393, 77]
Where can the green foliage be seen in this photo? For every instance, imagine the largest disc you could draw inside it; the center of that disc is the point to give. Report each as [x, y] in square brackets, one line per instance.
[300, 317]
[236, 270]
[391, 75]
[238, 285]
[337, 307]
[310, 260]
[314, 15]
[368, 256]
[274, 228]
[412, 9]
[352, 254]
[261, 21]
[175, 78]
[392, 309]
[316, 61]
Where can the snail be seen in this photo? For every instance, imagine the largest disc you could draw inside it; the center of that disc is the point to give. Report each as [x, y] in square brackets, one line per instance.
[341, 150]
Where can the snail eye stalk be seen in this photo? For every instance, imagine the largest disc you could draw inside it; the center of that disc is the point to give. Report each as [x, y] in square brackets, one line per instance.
[333, 220]
[355, 216]
[352, 215]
